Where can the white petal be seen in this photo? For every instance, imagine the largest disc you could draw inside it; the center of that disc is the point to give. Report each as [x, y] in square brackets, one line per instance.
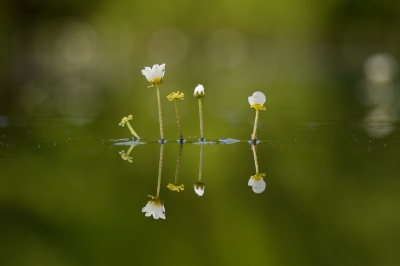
[259, 186]
[251, 100]
[162, 67]
[162, 215]
[199, 89]
[251, 182]
[259, 97]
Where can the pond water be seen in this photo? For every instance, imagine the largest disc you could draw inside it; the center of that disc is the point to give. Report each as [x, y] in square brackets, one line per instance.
[67, 197]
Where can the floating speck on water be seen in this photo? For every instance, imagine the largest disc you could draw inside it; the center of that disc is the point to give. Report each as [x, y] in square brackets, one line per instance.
[4, 135]
[39, 146]
[385, 145]
[55, 143]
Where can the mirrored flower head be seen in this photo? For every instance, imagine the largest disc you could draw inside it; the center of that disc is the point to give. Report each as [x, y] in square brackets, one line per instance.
[199, 91]
[257, 183]
[175, 95]
[174, 187]
[199, 188]
[257, 100]
[154, 207]
[154, 75]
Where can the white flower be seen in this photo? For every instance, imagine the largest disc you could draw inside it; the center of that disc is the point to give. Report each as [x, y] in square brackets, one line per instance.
[257, 100]
[154, 207]
[199, 91]
[154, 75]
[199, 188]
[257, 183]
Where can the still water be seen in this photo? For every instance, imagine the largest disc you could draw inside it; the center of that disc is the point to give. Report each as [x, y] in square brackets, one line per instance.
[70, 196]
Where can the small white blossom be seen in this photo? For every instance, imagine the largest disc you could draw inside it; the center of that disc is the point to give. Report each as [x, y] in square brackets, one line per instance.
[154, 207]
[257, 100]
[199, 91]
[199, 188]
[257, 183]
[154, 75]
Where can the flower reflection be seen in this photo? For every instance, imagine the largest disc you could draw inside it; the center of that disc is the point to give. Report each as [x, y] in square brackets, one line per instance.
[199, 186]
[154, 207]
[125, 156]
[175, 186]
[256, 181]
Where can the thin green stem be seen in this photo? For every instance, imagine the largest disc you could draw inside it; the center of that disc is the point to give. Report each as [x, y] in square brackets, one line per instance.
[254, 136]
[201, 121]
[178, 119]
[201, 162]
[129, 150]
[160, 115]
[160, 170]
[131, 129]
[254, 148]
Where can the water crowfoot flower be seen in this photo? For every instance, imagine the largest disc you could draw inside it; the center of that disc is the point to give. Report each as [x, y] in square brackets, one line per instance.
[199, 93]
[199, 188]
[125, 156]
[154, 207]
[257, 183]
[154, 75]
[178, 188]
[174, 96]
[256, 102]
[125, 121]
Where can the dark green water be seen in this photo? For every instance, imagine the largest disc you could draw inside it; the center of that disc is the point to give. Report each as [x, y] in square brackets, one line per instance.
[331, 197]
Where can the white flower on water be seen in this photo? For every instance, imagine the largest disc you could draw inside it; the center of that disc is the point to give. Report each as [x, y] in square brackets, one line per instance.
[257, 100]
[154, 207]
[199, 91]
[199, 188]
[154, 75]
[257, 183]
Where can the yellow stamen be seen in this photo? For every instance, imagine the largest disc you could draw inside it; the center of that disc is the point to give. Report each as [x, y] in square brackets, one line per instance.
[258, 106]
[175, 95]
[258, 177]
[178, 188]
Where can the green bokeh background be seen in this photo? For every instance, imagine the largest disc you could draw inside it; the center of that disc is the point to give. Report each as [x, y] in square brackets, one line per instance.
[70, 70]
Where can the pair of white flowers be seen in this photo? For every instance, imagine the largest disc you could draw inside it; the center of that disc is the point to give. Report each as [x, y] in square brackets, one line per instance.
[155, 75]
